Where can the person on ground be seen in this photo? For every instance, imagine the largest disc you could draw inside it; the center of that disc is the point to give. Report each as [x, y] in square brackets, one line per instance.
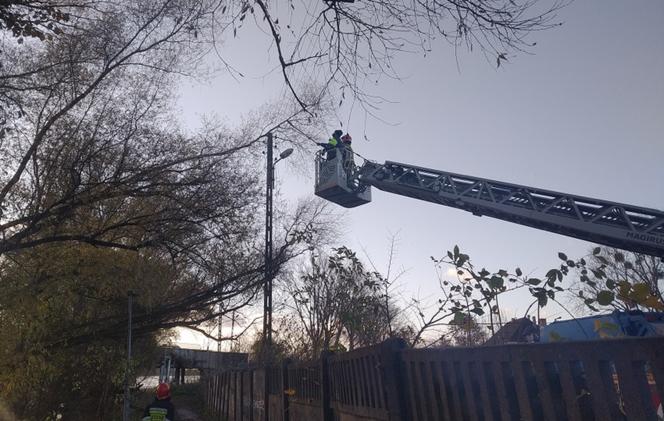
[161, 409]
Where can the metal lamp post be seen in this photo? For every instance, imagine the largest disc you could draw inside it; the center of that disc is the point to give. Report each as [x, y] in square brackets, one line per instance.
[267, 286]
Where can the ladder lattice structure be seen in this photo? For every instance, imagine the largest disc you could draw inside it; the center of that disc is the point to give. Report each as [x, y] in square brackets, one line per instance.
[613, 224]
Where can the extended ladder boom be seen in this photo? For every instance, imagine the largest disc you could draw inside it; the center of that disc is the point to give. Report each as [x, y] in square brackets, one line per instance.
[618, 225]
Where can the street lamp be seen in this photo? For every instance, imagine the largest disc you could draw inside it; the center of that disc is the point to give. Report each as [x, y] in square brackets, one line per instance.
[267, 286]
[285, 154]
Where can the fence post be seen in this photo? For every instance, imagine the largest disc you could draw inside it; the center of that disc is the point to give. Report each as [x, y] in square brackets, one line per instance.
[325, 383]
[208, 384]
[213, 387]
[285, 386]
[393, 379]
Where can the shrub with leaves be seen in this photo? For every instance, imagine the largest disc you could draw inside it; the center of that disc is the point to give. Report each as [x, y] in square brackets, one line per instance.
[620, 280]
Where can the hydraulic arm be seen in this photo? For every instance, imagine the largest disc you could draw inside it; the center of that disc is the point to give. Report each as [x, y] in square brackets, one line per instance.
[613, 224]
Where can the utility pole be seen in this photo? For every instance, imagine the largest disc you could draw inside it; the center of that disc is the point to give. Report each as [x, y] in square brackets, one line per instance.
[219, 326]
[221, 315]
[127, 397]
[267, 285]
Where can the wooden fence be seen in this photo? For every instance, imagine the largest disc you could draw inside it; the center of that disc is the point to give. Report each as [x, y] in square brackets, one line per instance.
[576, 381]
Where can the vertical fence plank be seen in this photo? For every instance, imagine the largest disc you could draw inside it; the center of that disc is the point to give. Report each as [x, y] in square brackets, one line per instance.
[352, 386]
[568, 388]
[450, 372]
[391, 366]
[495, 388]
[425, 390]
[443, 392]
[546, 397]
[285, 385]
[209, 395]
[656, 360]
[345, 382]
[229, 411]
[246, 406]
[217, 395]
[225, 389]
[350, 379]
[325, 386]
[380, 396]
[484, 396]
[251, 398]
[239, 392]
[636, 406]
[598, 395]
[410, 381]
[433, 396]
[359, 382]
[235, 396]
[525, 408]
[227, 396]
[449, 380]
[334, 379]
[371, 381]
[470, 396]
[367, 382]
[232, 397]
[348, 393]
[610, 382]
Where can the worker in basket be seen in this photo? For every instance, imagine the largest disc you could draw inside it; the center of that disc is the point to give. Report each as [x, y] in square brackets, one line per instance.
[332, 144]
[347, 154]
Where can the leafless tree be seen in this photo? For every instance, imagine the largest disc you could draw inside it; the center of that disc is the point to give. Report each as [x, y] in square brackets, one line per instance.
[94, 133]
[92, 153]
[394, 316]
[337, 302]
[345, 44]
[232, 277]
[83, 97]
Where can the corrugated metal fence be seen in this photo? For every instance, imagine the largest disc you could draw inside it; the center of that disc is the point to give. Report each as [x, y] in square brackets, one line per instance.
[577, 381]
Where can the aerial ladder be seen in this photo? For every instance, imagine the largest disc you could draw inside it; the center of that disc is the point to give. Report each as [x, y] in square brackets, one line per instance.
[626, 227]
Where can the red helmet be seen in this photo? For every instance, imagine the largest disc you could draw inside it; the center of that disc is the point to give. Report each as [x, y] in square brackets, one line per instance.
[163, 391]
[346, 138]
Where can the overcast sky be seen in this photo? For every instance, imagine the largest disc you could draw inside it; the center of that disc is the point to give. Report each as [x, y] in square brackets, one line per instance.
[582, 114]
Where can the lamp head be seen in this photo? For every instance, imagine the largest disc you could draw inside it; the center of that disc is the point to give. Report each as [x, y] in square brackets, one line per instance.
[286, 153]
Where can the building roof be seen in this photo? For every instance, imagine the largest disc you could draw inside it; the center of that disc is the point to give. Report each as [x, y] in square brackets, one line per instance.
[516, 331]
